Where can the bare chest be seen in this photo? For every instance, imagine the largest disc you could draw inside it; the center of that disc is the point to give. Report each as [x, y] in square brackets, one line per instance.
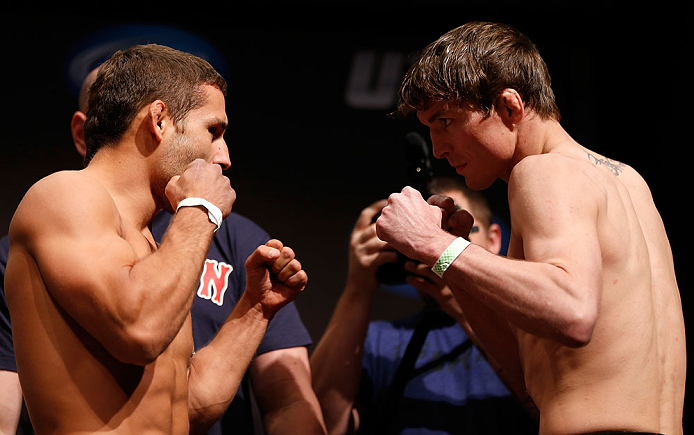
[141, 241]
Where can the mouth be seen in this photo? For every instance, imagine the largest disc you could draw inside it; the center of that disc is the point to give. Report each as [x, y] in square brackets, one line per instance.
[459, 168]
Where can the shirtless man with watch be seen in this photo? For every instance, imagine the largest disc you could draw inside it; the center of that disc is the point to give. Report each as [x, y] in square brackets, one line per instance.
[100, 313]
[585, 313]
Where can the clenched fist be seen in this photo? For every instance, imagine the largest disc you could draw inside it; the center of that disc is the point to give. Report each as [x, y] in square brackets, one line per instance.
[274, 277]
[204, 180]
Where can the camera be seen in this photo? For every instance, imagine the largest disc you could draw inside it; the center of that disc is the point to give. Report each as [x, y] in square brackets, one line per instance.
[418, 175]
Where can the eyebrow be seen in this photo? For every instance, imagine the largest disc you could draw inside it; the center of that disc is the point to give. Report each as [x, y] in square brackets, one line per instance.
[219, 122]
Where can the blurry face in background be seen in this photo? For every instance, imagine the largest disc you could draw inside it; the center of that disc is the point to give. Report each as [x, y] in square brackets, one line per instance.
[488, 238]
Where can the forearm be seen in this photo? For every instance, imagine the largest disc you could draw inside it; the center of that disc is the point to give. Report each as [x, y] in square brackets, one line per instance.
[541, 298]
[217, 369]
[492, 335]
[10, 401]
[281, 380]
[160, 290]
[497, 342]
[175, 266]
[336, 362]
[299, 413]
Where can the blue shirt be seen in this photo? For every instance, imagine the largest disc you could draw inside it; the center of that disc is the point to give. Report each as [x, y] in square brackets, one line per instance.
[7, 361]
[452, 390]
[222, 283]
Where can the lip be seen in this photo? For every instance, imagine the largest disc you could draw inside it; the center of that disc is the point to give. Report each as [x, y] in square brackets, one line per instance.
[459, 168]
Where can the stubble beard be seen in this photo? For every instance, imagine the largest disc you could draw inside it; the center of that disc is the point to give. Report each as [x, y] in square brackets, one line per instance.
[179, 154]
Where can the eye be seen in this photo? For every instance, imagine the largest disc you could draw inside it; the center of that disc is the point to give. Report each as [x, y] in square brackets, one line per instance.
[216, 132]
[445, 121]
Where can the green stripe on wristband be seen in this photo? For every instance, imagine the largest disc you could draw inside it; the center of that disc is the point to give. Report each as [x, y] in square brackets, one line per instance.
[449, 255]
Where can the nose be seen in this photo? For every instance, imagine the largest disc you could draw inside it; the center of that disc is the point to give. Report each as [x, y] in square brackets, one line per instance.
[221, 156]
[438, 147]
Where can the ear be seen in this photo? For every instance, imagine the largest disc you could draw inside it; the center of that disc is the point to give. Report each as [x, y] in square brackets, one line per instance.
[510, 106]
[494, 236]
[77, 127]
[158, 120]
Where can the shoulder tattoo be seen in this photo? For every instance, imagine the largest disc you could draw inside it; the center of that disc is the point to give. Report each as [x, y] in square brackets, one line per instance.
[615, 166]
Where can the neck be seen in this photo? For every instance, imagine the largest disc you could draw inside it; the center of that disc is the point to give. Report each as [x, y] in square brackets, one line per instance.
[127, 179]
[540, 136]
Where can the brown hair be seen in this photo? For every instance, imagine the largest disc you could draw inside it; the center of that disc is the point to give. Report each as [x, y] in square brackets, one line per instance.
[135, 77]
[473, 64]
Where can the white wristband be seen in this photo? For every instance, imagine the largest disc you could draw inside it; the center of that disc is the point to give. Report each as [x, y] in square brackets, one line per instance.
[449, 255]
[213, 212]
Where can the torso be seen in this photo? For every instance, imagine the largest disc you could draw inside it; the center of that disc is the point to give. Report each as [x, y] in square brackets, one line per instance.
[73, 385]
[631, 374]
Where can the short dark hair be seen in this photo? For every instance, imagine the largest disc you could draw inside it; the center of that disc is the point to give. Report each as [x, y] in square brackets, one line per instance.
[473, 64]
[130, 79]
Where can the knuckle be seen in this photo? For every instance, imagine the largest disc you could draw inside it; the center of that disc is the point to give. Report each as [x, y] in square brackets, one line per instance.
[295, 266]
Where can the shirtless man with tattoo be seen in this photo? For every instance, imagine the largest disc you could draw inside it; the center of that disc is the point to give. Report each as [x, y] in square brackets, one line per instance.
[585, 313]
[100, 312]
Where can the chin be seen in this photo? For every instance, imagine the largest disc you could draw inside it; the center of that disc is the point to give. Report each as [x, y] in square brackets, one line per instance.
[477, 183]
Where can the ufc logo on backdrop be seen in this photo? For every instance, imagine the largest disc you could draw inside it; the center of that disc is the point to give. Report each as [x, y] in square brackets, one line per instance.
[374, 79]
[214, 281]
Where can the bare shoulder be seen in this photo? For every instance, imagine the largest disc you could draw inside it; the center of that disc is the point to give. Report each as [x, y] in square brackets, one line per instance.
[65, 183]
[554, 195]
[620, 174]
[65, 200]
[550, 167]
[550, 173]
[582, 168]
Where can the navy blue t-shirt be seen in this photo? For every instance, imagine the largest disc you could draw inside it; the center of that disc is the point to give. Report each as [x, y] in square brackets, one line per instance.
[7, 361]
[452, 389]
[221, 284]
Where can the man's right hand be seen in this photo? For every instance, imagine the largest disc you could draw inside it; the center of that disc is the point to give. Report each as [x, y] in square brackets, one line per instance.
[204, 180]
[366, 251]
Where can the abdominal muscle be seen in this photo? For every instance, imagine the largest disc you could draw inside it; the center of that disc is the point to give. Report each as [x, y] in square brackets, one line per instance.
[602, 386]
[73, 385]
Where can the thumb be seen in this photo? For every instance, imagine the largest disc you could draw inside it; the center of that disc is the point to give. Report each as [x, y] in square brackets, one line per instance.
[460, 223]
[262, 256]
[367, 215]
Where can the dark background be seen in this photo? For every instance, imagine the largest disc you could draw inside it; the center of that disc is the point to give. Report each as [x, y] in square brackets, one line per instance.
[309, 150]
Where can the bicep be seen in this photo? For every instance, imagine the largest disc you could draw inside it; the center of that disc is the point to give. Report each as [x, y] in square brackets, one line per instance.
[555, 221]
[79, 253]
[84, 274]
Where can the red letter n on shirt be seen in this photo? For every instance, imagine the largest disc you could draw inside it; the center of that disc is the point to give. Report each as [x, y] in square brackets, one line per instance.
[214, 281]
